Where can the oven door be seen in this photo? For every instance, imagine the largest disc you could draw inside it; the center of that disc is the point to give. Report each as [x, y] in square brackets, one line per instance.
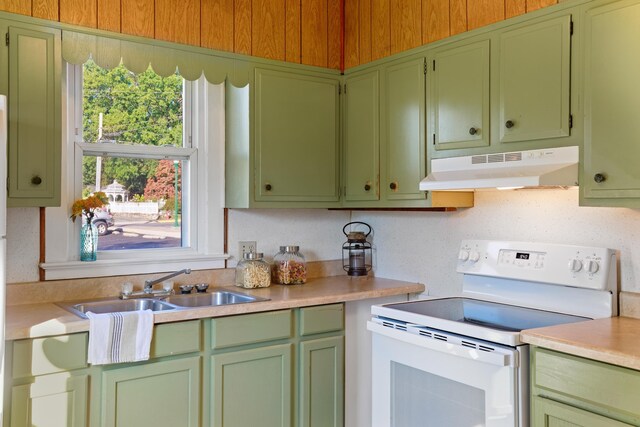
[424, 377]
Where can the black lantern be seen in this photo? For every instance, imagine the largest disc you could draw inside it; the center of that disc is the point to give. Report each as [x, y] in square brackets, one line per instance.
[356, 251]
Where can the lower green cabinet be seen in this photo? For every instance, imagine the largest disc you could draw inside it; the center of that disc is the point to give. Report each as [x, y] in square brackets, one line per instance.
[549, 413]
[58, 400]
[157, 394]
[252, 387]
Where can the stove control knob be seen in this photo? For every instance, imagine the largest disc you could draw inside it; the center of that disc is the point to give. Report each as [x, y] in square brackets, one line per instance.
[575, 265]
[463, 255]
[593, 267]
[474, 256]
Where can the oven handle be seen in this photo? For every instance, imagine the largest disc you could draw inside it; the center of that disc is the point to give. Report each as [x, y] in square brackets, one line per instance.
[498, 358]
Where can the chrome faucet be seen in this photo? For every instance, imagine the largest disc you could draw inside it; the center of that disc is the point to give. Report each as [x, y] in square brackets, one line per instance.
[148, 292]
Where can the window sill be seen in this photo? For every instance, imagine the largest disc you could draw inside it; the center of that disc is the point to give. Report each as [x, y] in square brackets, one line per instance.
[120, 267]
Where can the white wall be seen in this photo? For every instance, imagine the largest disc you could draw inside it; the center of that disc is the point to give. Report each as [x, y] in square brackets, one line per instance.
[413, 246]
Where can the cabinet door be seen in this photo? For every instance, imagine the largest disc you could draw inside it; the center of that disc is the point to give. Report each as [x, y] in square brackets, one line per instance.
[34, 117]
[535, 81]
[252, 387]
[296, 137]
[549, 413]
[322, 382]
[158, 394]
[405, 129]
[59, 400]
[460, 100]
[362, 139]
[612, 102]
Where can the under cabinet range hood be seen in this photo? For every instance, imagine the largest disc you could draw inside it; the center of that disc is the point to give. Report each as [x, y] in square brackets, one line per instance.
[553, 167]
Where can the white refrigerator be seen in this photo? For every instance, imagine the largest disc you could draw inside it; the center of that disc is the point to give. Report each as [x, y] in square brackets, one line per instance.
[3, 235]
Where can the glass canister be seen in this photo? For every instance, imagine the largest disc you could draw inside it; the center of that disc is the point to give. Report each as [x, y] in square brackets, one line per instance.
[289, 266]
[253, 271]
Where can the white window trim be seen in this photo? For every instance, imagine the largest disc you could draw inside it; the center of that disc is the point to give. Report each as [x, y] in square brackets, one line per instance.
[205, 237]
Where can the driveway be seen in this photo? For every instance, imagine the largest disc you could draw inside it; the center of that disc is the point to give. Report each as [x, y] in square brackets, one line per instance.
[137, 233]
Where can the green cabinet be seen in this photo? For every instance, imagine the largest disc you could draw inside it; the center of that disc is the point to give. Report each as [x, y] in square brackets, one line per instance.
[460, 95]
[574, 391]
[362, 137]
[296, 137]
[160, 393]
[610, 175]
[535, 65]
[33, 60]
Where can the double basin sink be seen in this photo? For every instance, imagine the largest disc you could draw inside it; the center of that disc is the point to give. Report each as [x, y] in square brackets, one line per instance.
[171, 303]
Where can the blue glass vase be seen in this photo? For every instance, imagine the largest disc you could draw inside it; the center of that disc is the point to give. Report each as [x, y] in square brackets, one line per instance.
[88, 242]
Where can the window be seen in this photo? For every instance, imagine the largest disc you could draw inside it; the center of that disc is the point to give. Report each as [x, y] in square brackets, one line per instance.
[155, 146]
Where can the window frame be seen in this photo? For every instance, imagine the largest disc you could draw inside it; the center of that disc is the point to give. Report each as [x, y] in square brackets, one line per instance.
[203, 232]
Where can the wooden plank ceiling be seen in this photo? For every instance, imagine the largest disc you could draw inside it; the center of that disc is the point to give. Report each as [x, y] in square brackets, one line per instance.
[302, 31]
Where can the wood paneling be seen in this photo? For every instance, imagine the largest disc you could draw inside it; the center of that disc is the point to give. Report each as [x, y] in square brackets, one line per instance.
[216, 24]
[292, 33]
[406, 24]
[484, 12]
[538, 4]
[435, 20]
[334, 44]
[242, 26]
[268, 29]
[138, 17]
[314, 32]
[351, 33]
[514, 8]
[46, 9]
[22, 7]
[109, 15]
[79, 12]
[365, 30]
[178, 21]
[380, 29]
[457, 16]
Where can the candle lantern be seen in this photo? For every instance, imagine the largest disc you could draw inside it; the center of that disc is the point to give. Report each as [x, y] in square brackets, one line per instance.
[356, 251]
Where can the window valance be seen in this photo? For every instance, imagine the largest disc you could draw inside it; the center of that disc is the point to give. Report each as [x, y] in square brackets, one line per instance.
[107, 52]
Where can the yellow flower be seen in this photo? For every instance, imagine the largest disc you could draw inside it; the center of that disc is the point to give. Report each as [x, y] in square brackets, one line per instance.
[89, 205]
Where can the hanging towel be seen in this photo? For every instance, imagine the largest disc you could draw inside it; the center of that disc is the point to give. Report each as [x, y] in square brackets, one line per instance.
[119, 337]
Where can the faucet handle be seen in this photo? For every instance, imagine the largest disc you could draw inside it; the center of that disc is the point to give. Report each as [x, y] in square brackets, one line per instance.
[127, 288]
[202, 287]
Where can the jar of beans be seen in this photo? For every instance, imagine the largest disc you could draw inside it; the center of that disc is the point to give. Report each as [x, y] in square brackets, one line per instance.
[253, 271]
[289, 266]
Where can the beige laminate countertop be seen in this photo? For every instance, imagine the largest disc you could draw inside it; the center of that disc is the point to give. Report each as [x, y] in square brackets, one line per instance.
[36, 320]
[614, 340]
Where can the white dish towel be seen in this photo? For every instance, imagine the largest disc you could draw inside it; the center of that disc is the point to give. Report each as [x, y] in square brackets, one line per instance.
[119, 337]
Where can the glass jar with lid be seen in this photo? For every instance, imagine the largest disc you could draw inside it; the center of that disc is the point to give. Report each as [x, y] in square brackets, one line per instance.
[289, 266]
[253, 271]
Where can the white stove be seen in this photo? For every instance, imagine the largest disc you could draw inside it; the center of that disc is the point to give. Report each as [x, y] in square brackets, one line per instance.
[458, 361]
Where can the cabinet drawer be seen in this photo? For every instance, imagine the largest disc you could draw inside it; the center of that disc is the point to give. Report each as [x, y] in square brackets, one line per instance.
[250, 328]
[324, 318]
[48, 355]
[175, 338]
[612, 387]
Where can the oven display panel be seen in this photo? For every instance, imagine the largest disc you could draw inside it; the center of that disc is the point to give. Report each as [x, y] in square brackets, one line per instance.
[522, 259]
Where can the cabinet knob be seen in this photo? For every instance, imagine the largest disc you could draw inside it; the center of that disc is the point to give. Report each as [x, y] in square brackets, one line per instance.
[268, 187]
[393, 185]
[473, 131]
[367, 187]
[599, 177]
[36, 180]
[509, 124]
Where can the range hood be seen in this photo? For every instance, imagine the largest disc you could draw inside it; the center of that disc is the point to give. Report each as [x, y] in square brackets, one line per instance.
[554, 167]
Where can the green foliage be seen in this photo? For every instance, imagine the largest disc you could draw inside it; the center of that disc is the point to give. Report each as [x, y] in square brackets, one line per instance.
[137, 109]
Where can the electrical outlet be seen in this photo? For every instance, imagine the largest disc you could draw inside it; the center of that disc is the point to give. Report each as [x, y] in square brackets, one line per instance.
[244, 247]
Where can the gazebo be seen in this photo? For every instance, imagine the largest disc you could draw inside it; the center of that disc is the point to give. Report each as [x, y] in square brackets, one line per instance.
[116, 192]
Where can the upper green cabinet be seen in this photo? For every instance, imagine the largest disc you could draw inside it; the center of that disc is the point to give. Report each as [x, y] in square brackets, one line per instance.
[460, 95]
[610, 173]
[362, 137]
[296, 137]
[535, 80]
[34, 103]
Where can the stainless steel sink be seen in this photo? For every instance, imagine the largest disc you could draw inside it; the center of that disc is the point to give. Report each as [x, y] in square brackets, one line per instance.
[213, 299]
[111, 306]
